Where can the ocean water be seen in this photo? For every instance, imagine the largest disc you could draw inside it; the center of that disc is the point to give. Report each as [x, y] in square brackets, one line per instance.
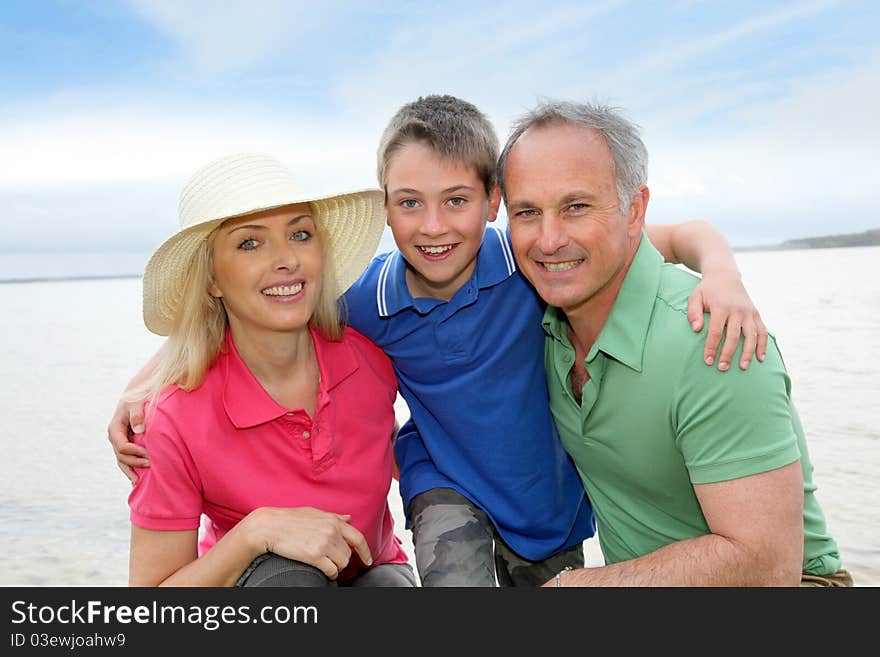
[70, 347]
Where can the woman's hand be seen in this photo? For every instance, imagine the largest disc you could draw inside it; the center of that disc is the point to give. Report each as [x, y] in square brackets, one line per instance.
[723, 295]
[319, 538]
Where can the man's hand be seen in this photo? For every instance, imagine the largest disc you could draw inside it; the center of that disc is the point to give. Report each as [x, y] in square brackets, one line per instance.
[725, 298]
[127, 421]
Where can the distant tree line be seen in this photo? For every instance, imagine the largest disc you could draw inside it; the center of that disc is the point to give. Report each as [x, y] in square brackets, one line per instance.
[867, 238]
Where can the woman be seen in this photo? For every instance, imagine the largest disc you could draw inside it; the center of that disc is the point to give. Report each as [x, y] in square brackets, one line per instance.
[267, 416]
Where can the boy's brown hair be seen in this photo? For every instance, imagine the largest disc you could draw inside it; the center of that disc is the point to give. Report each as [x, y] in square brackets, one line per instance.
[453, 128]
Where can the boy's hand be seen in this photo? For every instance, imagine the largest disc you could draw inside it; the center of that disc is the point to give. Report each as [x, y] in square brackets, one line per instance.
[128, 419]
[725, 298]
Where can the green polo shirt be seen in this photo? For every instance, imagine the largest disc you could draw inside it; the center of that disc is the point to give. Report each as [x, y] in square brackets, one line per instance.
[655, 420]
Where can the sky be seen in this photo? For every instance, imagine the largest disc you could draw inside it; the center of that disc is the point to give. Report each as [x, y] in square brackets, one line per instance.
[760, 117]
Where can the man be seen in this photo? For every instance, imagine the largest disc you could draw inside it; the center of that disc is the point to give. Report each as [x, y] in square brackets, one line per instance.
[696, 478]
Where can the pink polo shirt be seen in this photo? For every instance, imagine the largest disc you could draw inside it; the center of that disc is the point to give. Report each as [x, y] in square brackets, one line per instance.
[227, 448]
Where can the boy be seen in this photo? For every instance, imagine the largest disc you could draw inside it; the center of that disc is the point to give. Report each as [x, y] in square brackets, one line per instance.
[489, 492]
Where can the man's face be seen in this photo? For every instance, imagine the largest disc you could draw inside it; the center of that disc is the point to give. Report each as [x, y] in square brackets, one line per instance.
[569, 237]
[437, 212]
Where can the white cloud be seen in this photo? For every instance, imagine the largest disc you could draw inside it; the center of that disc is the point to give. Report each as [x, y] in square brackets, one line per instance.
[232, 35]
[129, 144]
[803, 165]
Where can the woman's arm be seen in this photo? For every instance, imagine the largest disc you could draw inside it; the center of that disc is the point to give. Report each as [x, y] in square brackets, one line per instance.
[701, 248]
[319, 538]
[170, 558]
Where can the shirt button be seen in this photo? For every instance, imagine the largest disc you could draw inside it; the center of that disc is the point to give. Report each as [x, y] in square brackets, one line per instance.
[306, 435]
[288, 413]
[568, 358]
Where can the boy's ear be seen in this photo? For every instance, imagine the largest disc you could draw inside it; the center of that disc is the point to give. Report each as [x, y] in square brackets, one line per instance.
[494, 203]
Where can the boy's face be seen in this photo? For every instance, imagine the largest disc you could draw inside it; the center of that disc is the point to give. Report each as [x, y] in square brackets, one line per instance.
[437, 212]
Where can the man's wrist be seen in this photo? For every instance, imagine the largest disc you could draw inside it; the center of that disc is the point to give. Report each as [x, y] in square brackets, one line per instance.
[559, 576]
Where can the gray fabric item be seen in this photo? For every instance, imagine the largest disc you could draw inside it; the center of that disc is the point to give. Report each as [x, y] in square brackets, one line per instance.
[270, 569]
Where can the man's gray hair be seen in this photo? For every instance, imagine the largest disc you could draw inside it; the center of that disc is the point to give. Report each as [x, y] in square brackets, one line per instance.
[622, 136]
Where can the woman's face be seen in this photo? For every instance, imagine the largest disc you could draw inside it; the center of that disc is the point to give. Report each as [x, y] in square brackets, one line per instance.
[267, 269]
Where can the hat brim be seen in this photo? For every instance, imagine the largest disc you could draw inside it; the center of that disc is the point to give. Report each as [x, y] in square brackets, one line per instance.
[352, 224]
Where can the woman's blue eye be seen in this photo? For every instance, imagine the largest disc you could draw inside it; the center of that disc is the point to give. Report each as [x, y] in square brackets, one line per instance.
[409, 203]
[301, 235]
[248, 244]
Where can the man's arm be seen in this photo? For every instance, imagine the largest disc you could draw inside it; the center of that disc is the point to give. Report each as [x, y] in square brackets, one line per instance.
[128, 419]
[701, 248]
[756, 539]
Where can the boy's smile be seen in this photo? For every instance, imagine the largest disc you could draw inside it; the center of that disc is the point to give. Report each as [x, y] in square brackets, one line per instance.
[437, 212]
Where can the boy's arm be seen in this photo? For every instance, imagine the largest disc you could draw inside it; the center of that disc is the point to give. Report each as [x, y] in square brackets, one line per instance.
[128, 419]
[410, 451]
[701, 248]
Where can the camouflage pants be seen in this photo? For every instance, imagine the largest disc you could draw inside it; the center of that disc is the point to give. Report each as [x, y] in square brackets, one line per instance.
[457, 545]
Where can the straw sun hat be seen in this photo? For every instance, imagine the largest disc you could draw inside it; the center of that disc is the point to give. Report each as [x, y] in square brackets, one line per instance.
[245, 183]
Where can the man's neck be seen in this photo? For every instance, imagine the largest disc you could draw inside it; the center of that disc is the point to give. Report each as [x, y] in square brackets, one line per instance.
[587, 320]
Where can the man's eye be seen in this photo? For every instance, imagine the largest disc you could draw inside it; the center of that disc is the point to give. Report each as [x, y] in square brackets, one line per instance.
[525, 214]
[301, 235]
[249, 244]
[578, 207]
[410, 203]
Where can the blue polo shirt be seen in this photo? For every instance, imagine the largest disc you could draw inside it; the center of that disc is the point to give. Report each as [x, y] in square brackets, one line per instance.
[471, 370]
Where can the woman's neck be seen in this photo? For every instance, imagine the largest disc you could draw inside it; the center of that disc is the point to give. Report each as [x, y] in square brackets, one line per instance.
[285, 364]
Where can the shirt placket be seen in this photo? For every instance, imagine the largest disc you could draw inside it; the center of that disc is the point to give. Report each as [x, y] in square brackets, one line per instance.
[595, 364]
[300, 428]
[321, 435]
[453, 342]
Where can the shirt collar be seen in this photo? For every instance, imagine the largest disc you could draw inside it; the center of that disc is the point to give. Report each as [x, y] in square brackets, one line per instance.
[626, 329]
[495, 263]
[248, 404]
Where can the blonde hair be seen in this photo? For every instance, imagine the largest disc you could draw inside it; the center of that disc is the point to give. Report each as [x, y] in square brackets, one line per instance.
[199, 328]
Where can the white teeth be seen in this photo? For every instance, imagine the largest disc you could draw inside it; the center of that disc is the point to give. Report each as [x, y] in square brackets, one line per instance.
[283, 290]
[561, 266]
[435, 250]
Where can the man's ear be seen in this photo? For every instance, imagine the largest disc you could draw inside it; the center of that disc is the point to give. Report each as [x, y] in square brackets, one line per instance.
[494, 203]
[638, 206]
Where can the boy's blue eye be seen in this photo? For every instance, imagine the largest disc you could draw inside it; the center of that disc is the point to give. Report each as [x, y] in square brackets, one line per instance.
[301, 235]
[248, 244]
[457, 202]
